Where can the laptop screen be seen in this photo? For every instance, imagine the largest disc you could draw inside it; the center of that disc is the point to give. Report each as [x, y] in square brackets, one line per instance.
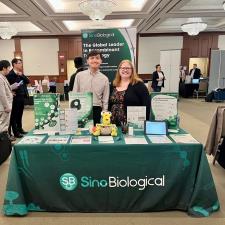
[155, 127]
[195, 81]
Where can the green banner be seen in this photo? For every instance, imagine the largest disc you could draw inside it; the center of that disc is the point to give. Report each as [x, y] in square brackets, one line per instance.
[164, 108]
[115, 45]
[46, 112]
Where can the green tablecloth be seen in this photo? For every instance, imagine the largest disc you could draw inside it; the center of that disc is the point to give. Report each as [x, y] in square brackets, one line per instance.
[110, 178]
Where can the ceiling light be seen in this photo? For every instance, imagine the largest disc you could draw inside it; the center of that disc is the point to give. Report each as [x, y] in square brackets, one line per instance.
[7, 30]
[193, 26]
[97, 9]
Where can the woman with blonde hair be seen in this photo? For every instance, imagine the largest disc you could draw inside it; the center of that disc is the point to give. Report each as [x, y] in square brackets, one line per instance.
[128, 90]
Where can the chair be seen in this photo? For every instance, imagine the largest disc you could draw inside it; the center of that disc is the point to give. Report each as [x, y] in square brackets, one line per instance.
[203, 89]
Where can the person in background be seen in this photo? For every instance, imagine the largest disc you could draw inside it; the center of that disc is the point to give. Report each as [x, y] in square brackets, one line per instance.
[195, 72]
[52, 85]
[45, 81]
[79, 65]
[182, 74]
[128, 90]
[16, 76]
[92, 80]
[6, 97]
[158, 78]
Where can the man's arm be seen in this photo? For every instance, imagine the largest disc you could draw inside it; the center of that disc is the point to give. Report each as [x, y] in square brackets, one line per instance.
[105, 96]
[3, 97]
[24, 78]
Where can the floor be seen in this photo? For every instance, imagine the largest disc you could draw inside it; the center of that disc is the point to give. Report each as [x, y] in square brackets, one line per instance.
[195, 117]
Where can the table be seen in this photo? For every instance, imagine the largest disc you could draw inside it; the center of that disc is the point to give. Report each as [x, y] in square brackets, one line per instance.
[110, 178]
[186, 90]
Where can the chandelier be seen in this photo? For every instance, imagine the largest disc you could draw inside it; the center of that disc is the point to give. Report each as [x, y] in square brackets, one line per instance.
[7, 30]
[193, 26]
[97, 9]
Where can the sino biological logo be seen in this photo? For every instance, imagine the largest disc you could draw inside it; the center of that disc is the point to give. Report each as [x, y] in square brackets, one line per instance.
[85, 35]
[69, 182]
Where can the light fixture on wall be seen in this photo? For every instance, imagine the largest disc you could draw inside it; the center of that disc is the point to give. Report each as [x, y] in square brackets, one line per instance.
[7, 30]
[224, 5]
[193, 26]
[97, 9]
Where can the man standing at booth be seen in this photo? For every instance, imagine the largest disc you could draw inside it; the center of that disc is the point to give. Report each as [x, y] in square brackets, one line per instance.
[92, 80]
[6, 99]
[16, 76]
[195, 73]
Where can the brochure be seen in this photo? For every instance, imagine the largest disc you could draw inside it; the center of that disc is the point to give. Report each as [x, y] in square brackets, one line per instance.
[46, 112]
[183, 138]
[68, 121]
[140, 140]
[136, 115]
[159, 139]
[81, 140]
[57, 140]
[83, 102]
[31, 140]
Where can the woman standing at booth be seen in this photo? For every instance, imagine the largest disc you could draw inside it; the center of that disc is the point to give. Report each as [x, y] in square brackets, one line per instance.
[158, 78]
[128, 90]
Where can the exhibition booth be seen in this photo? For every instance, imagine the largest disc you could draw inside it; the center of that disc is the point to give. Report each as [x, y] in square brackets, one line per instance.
[64, 165]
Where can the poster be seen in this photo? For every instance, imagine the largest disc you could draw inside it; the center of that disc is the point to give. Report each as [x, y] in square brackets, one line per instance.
[114, 44]
[46, 112]
[83, 103]
[164, 108]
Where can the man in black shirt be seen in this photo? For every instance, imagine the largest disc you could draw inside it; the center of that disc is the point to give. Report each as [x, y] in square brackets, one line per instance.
[79, 64]
[17, 77]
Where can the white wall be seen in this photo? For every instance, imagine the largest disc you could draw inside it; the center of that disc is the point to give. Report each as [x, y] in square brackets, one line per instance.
[40, 56]
[7, 49]
[170, 61]
[149, 51]
[221, 42]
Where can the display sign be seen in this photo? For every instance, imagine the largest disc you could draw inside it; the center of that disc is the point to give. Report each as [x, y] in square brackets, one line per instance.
[83, 103]
[136, 115]
[46, 112]
[164, 108]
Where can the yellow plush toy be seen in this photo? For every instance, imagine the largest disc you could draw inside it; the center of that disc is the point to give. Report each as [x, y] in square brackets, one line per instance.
[106, 118]
[105, 128]
[96, 131]
[114, 131]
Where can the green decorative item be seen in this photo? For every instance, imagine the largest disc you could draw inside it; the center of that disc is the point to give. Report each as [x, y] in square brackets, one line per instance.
[10, 196]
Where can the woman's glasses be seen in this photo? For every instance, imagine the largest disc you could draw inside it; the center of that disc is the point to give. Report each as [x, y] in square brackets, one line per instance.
[125, 68]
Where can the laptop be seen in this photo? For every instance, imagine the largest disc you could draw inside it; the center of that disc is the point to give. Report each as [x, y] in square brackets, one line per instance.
[195, 81]
[155, 128]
